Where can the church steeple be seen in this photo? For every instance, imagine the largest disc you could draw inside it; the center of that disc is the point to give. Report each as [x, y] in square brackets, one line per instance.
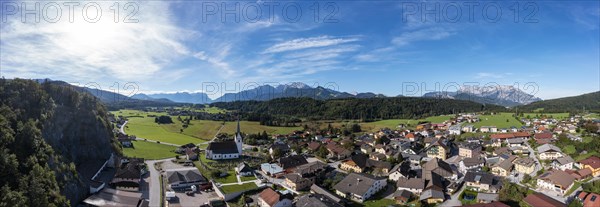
[238, 137]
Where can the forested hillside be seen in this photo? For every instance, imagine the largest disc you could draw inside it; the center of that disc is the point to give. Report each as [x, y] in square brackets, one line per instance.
[354, 108]
[47, 132]
[588, 102]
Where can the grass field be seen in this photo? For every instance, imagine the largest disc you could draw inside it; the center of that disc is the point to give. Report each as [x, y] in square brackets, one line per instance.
[149, 150]
[147, 129]
[558, 116]
[198, 131]
[238, 188]
[380, 202]
[498, 120]
[389, 123]
[247, 178]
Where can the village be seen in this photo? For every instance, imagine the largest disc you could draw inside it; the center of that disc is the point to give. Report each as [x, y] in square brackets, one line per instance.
[452, 163]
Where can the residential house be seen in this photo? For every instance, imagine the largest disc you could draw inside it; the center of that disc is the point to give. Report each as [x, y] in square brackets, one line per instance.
[402, 196]
[359, 187]
[489, 198]
[283, 148]
[125, 140]
[270, 198]
[128, 175]
[399, 171]
[432, 196]
[366, 148]
[549, 152]
[178, 179]
[504, 167]
[337, 151]
[290, 162]
[556, 180]
[313, 146]
[414, 185]
[454, 130]
[470, 164]
[482, 181]
[492, 204]
[486, 129]
[540, 200]
[438, 150]
[543, 138]
[468, 128]
[469, 149]
[314, 189]
[592, 163]
[360, 163]
[304, 175]
[563, 163]
[243, 169]
[439, 167]
[315, 200]
[515, 142]
[589, 199]
[272, 169]
[524, 165]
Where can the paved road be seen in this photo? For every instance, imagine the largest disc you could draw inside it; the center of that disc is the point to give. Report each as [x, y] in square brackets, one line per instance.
[123, 126]
[454, 198]
[154, 183]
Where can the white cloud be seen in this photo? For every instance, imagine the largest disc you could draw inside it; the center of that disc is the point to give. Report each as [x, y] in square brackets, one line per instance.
[304, 43]
[93, 51]
[435, 33]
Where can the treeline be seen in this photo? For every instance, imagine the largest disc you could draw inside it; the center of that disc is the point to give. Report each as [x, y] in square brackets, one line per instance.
[589, 102]
[353, 108]
[39, 124]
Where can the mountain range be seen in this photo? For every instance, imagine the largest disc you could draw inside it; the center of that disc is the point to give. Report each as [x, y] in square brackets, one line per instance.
[507, 96]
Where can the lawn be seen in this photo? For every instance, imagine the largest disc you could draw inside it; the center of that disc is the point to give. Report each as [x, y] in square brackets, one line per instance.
[380, 202]
[569, 149]
[149, 150]
[255, 127]
[498, 120]
[237, 188]
[393, 123]
[247, 178]
[584, 156]
[147, 129]
[230, 178]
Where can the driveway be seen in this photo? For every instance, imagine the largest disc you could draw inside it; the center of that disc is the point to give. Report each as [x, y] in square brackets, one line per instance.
[154, 182]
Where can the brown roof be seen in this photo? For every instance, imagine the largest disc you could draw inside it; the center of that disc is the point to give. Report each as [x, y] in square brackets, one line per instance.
[269, 196]
[592, 161]
[545, 135]
[412, 183]
[314, 146]
[502, 136]
[541, 200]
[492, 204]
[559, 177]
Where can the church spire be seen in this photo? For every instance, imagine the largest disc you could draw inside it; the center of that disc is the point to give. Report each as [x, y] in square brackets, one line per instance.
[238, 125]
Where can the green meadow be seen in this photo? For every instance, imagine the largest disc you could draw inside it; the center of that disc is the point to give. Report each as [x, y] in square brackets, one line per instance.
[149, 150]
[501, 120]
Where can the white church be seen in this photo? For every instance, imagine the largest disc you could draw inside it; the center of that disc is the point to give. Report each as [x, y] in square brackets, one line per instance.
[226, 149]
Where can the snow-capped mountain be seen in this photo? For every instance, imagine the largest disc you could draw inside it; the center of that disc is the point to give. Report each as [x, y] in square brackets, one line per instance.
[503, 95]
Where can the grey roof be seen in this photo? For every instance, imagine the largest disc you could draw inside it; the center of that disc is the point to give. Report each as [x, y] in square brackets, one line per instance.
[292, 161]
[515, 141]
[318, 190]
[473, 161]
[310, 167]
[357, 184]
[316, 200]
[470, 145]
[413, 183]
[547, 148]
[243, 167]
[479, 177]
[185, 176]
[488, 197]
[507, 163]
[564, 160]
[431, 193]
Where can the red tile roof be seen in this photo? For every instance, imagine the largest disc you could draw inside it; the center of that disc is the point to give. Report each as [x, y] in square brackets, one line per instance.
[592, 199]
[592, 161]
[545, 135]
[541, 200]
[269, 196]
[502, 136]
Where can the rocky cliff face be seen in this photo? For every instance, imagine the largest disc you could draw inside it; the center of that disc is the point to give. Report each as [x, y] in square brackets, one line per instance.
[78, 130]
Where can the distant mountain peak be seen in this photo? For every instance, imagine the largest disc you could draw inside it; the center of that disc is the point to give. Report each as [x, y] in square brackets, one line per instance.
[504, 95]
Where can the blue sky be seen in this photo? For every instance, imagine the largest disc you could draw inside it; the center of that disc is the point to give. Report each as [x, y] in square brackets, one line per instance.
[375, 46]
